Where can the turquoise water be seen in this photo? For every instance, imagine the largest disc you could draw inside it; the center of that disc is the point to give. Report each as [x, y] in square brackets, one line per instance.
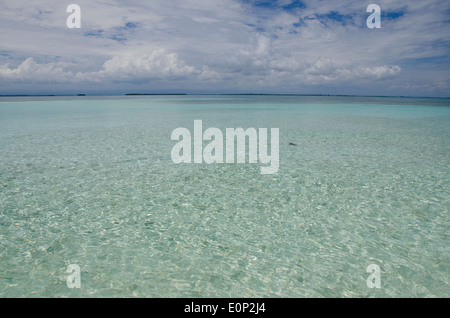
[90, 181]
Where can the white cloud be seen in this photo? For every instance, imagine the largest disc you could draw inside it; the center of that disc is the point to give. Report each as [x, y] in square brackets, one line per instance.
[378, 72]
[264, 64]
[31, 71]
[157, 65]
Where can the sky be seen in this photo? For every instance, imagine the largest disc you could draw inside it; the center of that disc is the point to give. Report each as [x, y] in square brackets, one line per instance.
[225, 46]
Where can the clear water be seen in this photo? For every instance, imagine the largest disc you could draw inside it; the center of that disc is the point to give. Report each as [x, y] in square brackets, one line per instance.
[90, 181]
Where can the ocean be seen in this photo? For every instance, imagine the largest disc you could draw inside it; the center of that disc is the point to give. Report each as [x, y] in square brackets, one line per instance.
[90, 181]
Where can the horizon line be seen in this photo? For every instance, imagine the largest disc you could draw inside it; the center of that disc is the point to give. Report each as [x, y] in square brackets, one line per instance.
[219, 94]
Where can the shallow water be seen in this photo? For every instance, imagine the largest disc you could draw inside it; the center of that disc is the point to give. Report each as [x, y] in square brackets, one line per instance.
[90, 181]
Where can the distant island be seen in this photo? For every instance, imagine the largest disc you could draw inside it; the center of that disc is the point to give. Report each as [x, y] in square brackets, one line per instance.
[23, 95]
[133, 94]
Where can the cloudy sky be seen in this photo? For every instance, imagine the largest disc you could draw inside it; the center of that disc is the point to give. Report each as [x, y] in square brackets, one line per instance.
[225, 46]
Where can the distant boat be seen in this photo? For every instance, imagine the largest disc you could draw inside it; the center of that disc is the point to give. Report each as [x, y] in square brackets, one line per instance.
[81, 94]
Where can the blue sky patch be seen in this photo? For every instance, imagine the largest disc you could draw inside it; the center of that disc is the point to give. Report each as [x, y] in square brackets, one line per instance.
[274, 4]
[392, 15]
